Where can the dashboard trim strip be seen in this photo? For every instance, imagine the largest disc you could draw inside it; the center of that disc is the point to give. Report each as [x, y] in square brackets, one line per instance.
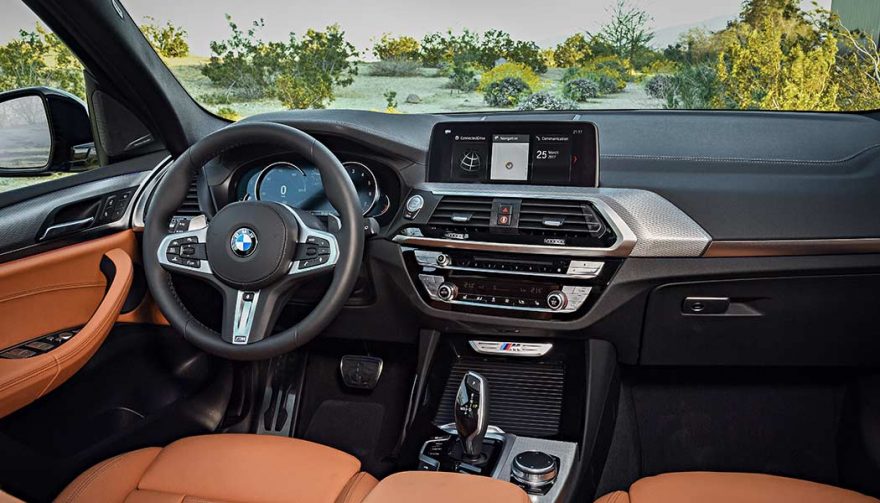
[792, 247]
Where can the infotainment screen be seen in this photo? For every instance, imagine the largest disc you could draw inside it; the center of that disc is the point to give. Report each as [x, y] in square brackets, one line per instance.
[537, 153]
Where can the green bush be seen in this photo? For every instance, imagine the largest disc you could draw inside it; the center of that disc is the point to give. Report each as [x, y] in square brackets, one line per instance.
[301, 73]
[169, 40]
[390, 99]
[243, 64]
[507, 70]
[581, 89]
[692, 87]
[658, 86]
[543, 100]
[396, 48]
[228, 113]
[313, 66]
[40, 58]
[396, 68]
[462, 77]
[608, 83]
[506, 92]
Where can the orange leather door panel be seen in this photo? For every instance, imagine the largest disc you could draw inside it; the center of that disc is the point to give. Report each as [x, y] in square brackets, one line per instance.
[54, 291]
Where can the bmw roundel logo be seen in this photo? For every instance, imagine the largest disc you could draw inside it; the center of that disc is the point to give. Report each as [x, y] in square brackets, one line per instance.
[244, 242]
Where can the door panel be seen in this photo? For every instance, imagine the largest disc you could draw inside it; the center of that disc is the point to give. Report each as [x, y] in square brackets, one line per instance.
[54, 291]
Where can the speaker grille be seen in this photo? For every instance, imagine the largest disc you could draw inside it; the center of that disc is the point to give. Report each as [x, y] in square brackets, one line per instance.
[525, 397]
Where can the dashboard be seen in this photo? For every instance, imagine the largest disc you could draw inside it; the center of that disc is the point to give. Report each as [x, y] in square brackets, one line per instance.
[682, 201]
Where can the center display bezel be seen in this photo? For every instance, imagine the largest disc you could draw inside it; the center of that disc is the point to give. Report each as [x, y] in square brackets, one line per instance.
[553, 147]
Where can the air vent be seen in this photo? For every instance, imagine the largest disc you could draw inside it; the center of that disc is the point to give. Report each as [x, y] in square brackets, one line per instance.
[559, 219]
[525, 398]
[190, 206]
[462, 214]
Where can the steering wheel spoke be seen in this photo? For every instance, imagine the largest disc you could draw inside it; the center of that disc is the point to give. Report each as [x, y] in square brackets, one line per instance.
[317, 250]
[186, 253]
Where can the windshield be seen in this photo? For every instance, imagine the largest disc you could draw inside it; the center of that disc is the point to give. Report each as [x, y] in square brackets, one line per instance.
[414, 56]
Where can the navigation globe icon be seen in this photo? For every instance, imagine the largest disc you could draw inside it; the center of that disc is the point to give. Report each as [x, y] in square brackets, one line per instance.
[470, 161]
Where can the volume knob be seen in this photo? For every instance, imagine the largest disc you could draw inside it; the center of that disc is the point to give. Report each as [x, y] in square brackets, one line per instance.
[447, 292]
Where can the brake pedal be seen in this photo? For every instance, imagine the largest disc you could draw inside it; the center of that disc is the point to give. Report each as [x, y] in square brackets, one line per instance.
[360, 372]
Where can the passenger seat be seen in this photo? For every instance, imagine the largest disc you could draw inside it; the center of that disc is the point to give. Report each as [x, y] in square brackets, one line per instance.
[693, 487]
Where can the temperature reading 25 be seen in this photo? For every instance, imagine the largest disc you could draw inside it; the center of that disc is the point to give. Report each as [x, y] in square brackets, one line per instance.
[542, 154]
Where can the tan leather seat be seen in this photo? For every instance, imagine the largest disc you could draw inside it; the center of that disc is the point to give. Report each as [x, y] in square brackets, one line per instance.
[226, 468]
[693, 487]
[437, 487]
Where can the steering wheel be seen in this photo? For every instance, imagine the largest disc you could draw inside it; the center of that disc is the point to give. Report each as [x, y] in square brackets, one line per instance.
[253, 252]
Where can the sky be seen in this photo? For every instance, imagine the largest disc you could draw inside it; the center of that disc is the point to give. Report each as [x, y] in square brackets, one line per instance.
[546, 22]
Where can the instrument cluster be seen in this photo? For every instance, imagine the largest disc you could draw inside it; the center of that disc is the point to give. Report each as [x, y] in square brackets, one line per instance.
[299, 185]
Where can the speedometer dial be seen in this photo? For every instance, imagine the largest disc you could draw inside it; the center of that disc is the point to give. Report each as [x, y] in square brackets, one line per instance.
[364, 182]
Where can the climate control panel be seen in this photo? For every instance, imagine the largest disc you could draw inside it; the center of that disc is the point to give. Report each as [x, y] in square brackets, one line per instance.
[508, 284]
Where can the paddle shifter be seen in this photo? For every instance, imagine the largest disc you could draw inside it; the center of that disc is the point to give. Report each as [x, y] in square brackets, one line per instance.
[472, 413]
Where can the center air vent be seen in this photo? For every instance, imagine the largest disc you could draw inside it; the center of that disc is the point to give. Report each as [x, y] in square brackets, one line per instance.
[560, 219]
[532, 221]
[463, 214]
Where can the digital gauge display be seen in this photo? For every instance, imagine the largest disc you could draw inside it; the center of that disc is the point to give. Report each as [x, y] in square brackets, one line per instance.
[300, 186]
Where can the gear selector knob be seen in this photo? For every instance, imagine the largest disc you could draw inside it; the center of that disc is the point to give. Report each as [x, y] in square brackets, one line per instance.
[472, 413]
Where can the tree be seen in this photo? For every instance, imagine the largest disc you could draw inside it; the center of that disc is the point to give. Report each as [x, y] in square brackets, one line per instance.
[628, 32]
[765, 66]
[169, 40]
[313, 66]
[573, 52]
[40, 58]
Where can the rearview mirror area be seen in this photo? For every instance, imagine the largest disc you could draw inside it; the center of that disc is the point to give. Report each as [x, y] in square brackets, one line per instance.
[44, 130]
[25, 137]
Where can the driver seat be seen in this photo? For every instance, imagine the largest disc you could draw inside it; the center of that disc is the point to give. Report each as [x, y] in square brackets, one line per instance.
[229, 468]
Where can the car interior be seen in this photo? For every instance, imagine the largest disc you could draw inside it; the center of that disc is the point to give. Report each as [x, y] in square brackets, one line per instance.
[349, 305]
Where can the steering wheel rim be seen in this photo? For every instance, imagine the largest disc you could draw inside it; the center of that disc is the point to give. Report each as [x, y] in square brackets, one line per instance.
[286, 237]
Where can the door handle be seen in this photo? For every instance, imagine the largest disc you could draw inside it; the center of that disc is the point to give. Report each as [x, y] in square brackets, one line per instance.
[67, 227]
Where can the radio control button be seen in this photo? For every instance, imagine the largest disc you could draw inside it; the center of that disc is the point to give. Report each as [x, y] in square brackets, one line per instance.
[556, 300]
[447, 292]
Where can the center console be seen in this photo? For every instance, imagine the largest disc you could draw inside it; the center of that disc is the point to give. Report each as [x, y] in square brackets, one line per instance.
[521, 249]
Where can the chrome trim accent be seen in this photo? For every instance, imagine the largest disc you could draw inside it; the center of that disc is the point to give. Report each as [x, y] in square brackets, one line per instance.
[577, 269]
[493, 432]
[375, 184]
[647, 225]
[142, 194]
[792, 247]
[305, 233]
[626, 240]
[74, 226]
[245, 310]
[565, 451]
[523, 349]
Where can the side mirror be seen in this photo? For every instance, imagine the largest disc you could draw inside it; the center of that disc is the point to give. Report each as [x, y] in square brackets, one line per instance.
[43, 130]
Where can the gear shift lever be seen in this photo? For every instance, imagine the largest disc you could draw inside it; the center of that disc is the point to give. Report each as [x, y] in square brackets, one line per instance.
[472, 413]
